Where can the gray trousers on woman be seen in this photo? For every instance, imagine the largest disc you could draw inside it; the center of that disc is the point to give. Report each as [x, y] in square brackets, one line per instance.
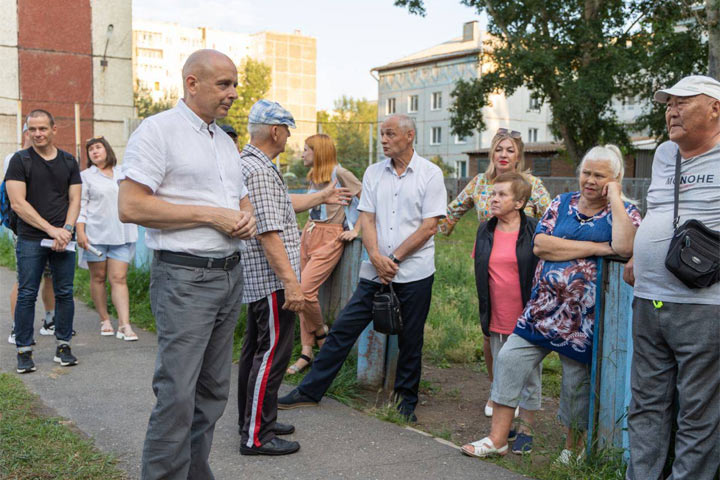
[196, 310]
[518, 359]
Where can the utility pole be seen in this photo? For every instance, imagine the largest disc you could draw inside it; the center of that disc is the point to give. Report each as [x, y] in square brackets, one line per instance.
[370, 144]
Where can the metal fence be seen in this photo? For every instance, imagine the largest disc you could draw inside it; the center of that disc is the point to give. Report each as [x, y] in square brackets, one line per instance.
[635, 188]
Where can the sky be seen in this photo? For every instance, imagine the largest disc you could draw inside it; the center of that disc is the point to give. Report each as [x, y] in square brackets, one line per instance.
[353, 36]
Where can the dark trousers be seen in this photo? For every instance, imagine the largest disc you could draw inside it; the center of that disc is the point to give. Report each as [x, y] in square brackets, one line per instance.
[415, 304]
[675, 346]
[31, 260]
[265, 356]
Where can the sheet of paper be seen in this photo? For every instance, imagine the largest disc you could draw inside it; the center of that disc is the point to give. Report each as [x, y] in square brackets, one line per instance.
[49, 242]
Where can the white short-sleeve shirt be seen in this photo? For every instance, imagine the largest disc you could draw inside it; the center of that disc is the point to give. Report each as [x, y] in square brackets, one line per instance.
[185, 161]
[99, 209]
[400, 204]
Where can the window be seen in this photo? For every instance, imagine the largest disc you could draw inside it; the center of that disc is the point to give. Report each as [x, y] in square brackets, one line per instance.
[436, 136]
[460, 140]
[534, 102]
[390, 106]
[461, 168]
[436, 101]
[542, 167]
[412, 104]
[532, 135]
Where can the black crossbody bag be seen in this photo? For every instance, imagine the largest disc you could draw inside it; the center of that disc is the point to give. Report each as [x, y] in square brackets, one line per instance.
[386, 312]
[694, 253]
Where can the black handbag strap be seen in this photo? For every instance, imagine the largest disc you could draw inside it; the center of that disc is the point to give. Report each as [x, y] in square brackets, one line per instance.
[676, 217]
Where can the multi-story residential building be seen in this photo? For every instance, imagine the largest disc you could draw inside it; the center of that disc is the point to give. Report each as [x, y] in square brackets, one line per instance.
[72, 59]
[292, 58]
[420, 84]
[160, 50]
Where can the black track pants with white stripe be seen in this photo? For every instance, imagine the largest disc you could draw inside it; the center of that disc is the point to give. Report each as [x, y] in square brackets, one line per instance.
[265, 356]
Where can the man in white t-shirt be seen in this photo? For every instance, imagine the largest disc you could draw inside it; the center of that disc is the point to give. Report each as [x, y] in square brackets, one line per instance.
[676, 329]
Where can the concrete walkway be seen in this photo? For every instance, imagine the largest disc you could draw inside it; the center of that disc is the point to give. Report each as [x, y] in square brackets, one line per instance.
[108, 396]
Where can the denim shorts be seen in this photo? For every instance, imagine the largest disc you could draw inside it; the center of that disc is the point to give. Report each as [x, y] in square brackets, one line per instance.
[122, 253]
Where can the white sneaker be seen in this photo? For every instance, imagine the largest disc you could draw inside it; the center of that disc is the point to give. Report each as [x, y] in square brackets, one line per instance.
[488, 410]
[567, 457]
[11, 337]
[47, 329]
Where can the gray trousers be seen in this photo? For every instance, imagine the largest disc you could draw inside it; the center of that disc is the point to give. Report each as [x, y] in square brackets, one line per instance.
[676, 346]
[531, 397]
[519, 359]
[196, 310]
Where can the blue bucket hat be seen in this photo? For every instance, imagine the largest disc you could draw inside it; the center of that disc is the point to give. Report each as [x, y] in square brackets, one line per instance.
[270, 113]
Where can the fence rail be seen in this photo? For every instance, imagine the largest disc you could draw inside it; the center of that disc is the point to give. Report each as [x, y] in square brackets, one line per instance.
[635, 188]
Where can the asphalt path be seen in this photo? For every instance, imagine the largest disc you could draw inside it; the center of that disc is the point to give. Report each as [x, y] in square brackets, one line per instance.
[108, 396]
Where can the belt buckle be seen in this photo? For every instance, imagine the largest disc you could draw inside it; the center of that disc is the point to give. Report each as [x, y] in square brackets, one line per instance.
[229, 259]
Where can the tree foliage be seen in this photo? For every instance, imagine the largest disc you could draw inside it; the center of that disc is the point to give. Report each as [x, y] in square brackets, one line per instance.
[348, 126]
[254, 79]
[146, 106]
[578, 56]
[447, 170]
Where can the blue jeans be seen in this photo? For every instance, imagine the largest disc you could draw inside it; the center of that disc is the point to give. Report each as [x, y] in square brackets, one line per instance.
[414, 304]
[31, 260]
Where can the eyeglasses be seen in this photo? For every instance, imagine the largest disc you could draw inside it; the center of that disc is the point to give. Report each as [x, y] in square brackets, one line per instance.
[93, 139]
[510, 133]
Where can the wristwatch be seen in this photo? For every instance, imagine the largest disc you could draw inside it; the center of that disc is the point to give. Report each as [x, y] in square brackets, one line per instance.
[69, 228]
[392, 257]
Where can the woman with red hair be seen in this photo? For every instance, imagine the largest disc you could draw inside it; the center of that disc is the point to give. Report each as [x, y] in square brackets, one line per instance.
[322, 241]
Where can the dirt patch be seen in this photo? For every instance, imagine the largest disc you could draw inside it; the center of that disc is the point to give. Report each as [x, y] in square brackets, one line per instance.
[451, 407]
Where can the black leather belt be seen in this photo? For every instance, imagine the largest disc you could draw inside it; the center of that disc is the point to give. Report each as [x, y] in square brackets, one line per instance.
[187, 260]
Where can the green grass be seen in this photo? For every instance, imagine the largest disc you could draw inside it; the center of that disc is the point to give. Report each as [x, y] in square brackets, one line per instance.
[34, 446]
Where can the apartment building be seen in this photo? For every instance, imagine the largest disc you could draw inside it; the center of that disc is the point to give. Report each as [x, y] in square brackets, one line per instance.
[160, 50]
[420, 84]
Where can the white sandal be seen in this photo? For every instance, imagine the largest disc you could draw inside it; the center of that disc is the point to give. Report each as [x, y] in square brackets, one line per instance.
[123, 336]
[483, 448]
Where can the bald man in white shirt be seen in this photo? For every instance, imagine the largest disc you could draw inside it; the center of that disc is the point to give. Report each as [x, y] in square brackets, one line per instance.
[181, 179]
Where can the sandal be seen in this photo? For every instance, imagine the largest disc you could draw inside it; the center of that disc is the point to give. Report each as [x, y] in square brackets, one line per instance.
[323, 336]
[126, 333]
[295, 369]
[483, 448]
[106, 328]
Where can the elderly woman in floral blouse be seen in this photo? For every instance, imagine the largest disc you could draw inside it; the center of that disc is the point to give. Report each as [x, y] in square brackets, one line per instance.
[577, 228]
[506, 156]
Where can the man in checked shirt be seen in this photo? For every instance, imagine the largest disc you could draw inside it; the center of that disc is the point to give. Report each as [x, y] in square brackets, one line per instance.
[272, 291]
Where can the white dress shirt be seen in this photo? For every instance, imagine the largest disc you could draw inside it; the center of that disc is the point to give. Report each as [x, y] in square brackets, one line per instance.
[99, 209]
[400, 204]
[185, 161]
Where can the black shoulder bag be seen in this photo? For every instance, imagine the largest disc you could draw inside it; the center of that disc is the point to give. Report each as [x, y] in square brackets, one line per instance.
[386, 312]
[694, 253]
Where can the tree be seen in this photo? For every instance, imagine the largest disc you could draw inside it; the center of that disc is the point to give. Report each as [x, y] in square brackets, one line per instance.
[348, 126]
[578, 56]
[146, 106]
[447, 170]
[254, 78]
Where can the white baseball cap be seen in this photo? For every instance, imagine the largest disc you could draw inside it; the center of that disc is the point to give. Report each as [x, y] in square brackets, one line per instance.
[689, 87]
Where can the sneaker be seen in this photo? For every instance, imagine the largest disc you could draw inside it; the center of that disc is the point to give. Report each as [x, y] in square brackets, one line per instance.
[64, 356]
[512, 435]
[48, 328]
[567, 457]
[11, 338]
[295, 399]
[523, 444]
[25, 362]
